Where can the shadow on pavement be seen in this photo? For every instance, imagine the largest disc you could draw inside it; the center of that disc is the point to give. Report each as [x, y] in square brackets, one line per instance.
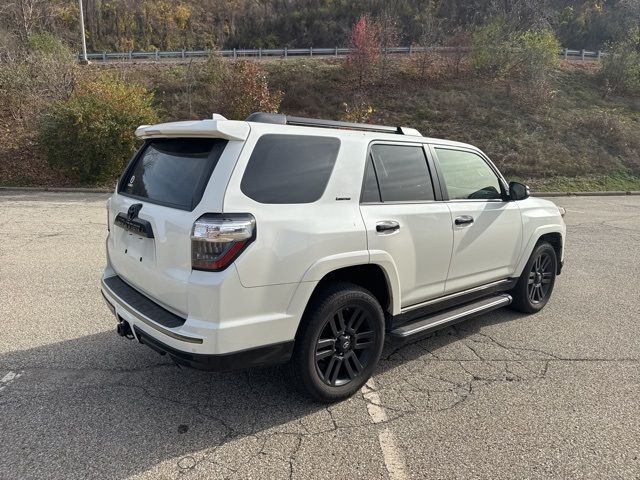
[102, 406]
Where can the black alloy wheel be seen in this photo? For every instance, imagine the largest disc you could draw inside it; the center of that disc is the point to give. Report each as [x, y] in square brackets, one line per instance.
[345, 345]
[339, 342]
[534, 287]
[540, 278]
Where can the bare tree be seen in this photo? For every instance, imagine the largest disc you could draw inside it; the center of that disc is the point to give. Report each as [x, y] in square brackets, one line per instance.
[387, 30]
[24, 16]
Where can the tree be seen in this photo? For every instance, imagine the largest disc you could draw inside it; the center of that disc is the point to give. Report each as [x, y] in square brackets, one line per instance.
[386, 27]
[362, 61]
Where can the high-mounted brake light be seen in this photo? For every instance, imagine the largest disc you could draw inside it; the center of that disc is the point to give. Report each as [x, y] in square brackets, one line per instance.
[218, 239]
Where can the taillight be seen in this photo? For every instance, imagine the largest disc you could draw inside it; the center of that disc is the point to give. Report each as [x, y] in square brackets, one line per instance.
[218, 239]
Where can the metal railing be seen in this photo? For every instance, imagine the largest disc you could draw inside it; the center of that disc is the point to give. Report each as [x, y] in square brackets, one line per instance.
[183, 55]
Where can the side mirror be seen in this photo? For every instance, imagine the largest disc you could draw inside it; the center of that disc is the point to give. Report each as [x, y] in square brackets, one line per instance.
[518, 191]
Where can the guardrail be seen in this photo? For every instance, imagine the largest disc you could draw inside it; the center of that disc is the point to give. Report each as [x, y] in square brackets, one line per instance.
[294, 52]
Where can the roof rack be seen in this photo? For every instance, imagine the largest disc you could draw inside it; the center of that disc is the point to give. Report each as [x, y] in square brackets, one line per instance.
[280, 119]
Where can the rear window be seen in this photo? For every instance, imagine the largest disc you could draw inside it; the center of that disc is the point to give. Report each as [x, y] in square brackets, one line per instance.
[173, 172]
[289, 168]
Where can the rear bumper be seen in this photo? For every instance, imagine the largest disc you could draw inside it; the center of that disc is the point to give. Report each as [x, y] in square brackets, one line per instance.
[127, 302]
[266, 355]
[148, 321]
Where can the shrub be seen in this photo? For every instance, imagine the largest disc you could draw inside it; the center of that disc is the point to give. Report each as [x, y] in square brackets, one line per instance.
[500, 51]
[90, 136]
[29, 81]
[245, 90]
[360, 112]
[621, 64]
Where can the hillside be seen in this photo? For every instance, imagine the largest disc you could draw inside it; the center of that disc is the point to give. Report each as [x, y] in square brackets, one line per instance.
[125, 25]
[577, 140]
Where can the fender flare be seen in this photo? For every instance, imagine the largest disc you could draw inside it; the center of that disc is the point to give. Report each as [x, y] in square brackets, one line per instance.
[533, 240]
[318, 270]
[385, 261]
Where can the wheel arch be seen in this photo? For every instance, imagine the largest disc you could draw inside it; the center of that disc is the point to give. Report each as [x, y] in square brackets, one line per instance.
[373, 277]
[549, 233]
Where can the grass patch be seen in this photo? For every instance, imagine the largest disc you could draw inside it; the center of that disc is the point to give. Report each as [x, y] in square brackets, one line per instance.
[622, 182]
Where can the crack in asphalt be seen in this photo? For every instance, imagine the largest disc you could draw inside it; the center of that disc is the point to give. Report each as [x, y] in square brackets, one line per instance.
[454, 389]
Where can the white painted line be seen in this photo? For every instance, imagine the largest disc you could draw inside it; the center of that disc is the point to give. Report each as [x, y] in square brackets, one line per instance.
[392, 457]
[7, 379]
[374, 406]
[9, 376]
[393, 460]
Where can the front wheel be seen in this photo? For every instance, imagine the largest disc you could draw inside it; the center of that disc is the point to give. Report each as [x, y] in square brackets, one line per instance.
[534, 287]
[339, 342]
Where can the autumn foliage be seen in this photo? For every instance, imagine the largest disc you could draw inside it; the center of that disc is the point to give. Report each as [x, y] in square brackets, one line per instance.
[361, 64]
[91, 136]
[245, 90]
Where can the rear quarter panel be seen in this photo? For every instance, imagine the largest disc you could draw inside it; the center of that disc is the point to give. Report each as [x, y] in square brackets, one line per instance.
[293, 239]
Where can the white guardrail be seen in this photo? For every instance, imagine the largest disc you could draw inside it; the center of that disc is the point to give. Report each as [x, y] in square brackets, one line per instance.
[158, 55]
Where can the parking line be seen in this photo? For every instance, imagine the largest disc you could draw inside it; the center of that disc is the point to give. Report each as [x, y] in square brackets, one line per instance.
[7, 379]
[393, 460]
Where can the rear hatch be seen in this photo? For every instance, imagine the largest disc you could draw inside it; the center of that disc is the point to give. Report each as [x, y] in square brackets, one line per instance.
[170, 183]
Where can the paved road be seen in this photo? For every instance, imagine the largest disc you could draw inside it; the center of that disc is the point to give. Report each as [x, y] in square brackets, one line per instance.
[554, 395]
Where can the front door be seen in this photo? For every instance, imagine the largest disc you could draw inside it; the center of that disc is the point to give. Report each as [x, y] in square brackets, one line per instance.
[487, 229]
[403, 218]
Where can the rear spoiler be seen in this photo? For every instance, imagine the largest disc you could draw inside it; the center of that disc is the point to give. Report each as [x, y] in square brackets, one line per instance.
[218, 127]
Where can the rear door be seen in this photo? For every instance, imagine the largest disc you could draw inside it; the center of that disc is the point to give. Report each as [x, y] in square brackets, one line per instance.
[167, 187]
[403, 217]
[487, 229]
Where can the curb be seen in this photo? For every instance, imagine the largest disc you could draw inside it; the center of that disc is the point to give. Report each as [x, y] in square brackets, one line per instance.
[105, 190]
[56, 189]
[585, 194]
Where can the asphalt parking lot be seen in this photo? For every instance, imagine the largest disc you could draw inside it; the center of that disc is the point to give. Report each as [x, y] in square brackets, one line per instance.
[553, 395]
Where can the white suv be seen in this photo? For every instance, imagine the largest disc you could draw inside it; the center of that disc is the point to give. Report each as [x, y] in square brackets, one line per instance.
[241, 243]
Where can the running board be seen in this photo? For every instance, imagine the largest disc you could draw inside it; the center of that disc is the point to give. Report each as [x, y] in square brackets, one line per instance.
[425, 325]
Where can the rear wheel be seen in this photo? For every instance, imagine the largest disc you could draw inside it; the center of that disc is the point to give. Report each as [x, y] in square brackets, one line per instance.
[339, 342]
[534, 287]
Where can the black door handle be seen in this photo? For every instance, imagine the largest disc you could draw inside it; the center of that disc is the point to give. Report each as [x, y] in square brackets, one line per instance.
[387, 226]
[464, 220]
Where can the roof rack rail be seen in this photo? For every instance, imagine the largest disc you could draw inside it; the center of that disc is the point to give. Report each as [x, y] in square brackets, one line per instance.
[280, 119]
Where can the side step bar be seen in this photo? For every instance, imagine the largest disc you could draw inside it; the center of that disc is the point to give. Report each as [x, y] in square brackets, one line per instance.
[423, 326]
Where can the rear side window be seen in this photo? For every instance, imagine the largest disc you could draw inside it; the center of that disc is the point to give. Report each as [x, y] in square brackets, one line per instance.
[403, 174]
[173, 171]
[289, 168]
[370, 190]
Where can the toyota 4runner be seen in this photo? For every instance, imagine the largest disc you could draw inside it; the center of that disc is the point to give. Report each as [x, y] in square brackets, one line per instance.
[241, 243]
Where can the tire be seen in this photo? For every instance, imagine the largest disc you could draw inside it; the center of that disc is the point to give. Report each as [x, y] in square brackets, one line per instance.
[534, 287]
[339, 342]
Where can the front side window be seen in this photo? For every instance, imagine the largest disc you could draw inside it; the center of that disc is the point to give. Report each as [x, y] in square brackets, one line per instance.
[467, 175]
[289, 168]
[402, 172]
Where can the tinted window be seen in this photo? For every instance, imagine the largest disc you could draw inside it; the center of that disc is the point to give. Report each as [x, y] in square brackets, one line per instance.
[370, 192]
[289, 168]
[467, 175]
[402, 173]
[173, 172]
